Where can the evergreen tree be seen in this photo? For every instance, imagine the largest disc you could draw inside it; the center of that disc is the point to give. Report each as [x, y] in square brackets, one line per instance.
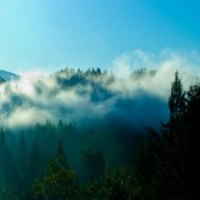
[113, 185]
[177, 98]
[60, 183]
[164, 154]
[8, 169]
[93, 164]
[23, 159]
[60, 153]
[60, 150]
[34, 162]
[192, 129]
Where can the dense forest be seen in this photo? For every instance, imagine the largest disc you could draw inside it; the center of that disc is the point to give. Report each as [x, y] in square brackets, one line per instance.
[104, 161]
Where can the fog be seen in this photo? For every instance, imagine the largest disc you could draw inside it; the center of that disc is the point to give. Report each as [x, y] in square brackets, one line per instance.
[134, 90]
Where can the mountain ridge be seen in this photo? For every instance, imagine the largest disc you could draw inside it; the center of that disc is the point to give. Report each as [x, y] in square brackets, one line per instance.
[8, 76]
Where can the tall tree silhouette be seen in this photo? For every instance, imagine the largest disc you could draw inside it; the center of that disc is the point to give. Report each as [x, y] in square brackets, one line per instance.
[22, 159]
[166, 152]
[177, 98]
[34, 161]
[192, 124]
[8, 170]
[93, 164]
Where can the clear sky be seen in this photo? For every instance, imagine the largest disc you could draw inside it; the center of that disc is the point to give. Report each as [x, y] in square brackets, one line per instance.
[48, 34]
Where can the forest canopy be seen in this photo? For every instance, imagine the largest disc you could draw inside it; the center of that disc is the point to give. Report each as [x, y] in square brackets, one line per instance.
[108, 159]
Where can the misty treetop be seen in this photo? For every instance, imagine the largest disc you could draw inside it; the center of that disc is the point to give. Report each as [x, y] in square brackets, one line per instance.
[91, 96]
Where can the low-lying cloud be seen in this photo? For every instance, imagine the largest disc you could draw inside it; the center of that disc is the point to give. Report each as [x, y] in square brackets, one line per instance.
[126, 94]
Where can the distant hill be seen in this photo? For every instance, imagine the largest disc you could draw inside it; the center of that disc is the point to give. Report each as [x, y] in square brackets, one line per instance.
[8, 76]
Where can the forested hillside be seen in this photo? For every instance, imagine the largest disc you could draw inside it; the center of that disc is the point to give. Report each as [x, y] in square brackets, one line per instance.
[91, 96]
[106, 156]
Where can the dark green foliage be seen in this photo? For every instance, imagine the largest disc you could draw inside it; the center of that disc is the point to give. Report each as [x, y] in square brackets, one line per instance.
[23, 160]
[192, 129]
[169, 162]
[117, 185]
[177, 101]
[34, 164]
[8, 170]
[25, 155]
[60, 182]
[93, 164]
[9, 177]
[6, 191]
[60, 150]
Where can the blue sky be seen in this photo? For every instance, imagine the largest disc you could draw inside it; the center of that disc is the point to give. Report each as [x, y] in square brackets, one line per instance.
[50, 34]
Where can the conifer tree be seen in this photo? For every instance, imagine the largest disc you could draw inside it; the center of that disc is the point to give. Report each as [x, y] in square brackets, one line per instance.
[93, 164]
[34, 161]
[23, 159]
[177, 98]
